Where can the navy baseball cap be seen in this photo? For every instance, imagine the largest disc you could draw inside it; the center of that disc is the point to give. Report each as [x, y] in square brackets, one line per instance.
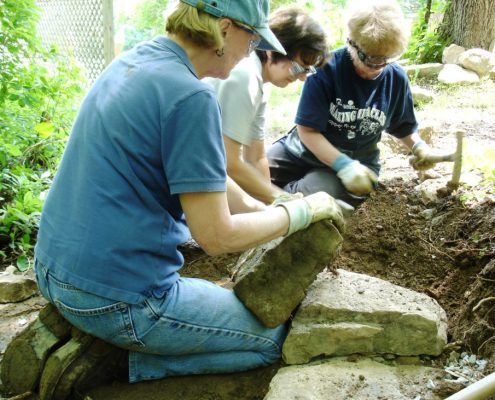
[253, 13]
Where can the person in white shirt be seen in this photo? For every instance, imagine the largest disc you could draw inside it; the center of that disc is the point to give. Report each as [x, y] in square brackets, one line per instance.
[243, 100]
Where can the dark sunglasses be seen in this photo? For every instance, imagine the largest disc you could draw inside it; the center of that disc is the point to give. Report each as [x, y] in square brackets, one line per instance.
[253, 43]
[375, 62]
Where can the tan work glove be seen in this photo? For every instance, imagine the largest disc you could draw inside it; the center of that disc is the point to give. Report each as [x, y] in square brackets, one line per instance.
[422, 153]
[285, 196]
[357, 178]
[313, 208]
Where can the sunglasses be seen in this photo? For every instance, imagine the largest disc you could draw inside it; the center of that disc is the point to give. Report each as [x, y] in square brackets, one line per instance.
[297, 69]
[253, 43]
[375, 62]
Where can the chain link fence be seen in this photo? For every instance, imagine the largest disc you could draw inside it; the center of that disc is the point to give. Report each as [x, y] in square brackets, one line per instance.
[83, 28]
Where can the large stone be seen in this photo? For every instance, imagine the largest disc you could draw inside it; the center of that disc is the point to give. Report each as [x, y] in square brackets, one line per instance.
[454, 74]
[451, 54]
[477, 60]
[355, 313]
[365, 379]
[271, 279]
[26, 355]
[429, 70]
[16, 288]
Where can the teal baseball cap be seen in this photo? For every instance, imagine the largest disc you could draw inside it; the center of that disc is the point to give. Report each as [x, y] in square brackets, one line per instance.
[253, 13]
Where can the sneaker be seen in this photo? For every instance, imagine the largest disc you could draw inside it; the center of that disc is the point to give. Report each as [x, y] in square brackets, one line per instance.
[26, 354]
[82, 363]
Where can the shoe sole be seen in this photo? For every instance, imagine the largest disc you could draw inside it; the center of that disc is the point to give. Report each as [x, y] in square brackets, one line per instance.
[26, 354]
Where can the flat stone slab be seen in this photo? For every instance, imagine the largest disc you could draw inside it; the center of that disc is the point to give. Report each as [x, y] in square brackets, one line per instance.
[428, 70]
[337, 379]
[272, 279]
[354, 313]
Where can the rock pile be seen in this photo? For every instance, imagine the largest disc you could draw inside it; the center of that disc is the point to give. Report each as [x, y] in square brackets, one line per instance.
[459, 66]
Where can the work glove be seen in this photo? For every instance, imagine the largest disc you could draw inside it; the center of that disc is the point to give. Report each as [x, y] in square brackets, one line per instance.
[357, 178]
[285, 196]
[422, 156]
[346, 208]
[313, 208]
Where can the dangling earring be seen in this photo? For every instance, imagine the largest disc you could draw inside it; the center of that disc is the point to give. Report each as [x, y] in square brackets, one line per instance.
[220, 52]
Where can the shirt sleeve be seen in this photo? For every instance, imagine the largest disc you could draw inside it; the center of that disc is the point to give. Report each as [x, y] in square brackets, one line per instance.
[240, 97]
[403, 121]
[192, 147]
[259, 121]
[314, 102]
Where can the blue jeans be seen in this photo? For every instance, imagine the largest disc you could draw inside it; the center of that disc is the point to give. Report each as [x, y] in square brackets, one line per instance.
[196, 327]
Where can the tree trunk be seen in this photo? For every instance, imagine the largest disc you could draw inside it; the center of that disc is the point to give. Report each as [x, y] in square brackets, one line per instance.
[469, 23]
[428, 12]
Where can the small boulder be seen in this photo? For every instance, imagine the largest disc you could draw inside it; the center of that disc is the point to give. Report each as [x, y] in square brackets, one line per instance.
[428, 190]
[477, 60]
[16, 288]
[421, 95]
[451, 54]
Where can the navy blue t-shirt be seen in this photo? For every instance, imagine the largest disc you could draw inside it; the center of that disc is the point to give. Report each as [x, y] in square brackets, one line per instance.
[147, 131]
[351, 112]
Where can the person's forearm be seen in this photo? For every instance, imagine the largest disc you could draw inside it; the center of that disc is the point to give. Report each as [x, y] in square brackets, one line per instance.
[253, 229]
[262, 166]
[252, 181]
[217, 231]
[410, 140]
[240, 201]
[322, 149]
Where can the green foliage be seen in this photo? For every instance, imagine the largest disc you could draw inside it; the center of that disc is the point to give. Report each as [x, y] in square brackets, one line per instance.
[482, 162]
[146, 22]
[426, 44]
[38, 98]
[149, 15]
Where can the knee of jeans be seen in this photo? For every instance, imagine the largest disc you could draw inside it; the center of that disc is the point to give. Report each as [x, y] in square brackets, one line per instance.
[41, 273]
[272, 356]
[273, 353]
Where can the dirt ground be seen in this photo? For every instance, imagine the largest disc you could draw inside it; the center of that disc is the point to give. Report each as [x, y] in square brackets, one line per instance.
[444, 248]
[388, 238]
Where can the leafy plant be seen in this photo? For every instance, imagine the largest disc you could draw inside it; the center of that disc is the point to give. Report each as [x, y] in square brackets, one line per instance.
[426, 44]
[40, 90]
[146, 22]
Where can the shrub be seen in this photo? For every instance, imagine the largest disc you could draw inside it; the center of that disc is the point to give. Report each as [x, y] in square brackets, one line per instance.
[39, 94]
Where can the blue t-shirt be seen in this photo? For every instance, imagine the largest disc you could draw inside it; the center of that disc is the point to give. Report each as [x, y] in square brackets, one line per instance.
[147, 131]
[351, 112]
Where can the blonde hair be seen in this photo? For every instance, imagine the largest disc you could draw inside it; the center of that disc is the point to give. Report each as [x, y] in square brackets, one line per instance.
[197, 26]
[378, 27]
